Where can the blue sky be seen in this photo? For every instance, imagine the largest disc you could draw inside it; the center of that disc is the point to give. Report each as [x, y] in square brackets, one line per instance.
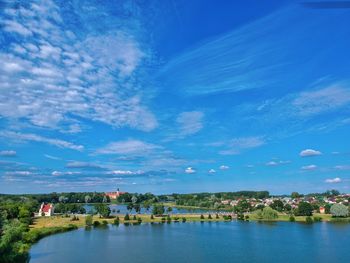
[171, 96]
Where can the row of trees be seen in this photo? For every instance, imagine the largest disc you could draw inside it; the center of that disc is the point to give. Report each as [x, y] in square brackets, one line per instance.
[73, 197]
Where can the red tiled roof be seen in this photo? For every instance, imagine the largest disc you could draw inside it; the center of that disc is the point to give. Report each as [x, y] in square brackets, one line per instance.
[46, 208]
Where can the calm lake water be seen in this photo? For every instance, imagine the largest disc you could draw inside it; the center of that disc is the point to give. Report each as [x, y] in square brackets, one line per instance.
[199, 242]
[122, 209]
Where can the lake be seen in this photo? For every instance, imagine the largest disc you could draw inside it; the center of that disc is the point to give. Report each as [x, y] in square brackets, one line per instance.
[199, 242]
[122, 209]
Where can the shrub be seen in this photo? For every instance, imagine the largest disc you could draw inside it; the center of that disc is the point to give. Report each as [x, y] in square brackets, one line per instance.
[116, 220]
[291, 219]
[183, 219]
[134, 217]
[88, 220]
[317, 219]
[97, 223]
[139, 220]
[217, 216]
[309, 220]
[202, 217]
[104, 222]
[163, 219]
[246, 218]
[126, 217]
[152, 217]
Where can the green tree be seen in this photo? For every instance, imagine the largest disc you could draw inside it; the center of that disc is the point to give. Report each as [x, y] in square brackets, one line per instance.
[304, 209]
[339, 210]
[158, 210]
[103, 210]
[169, 209]
[126, 217]
[88, 220]
[295, 195]
[277, 205]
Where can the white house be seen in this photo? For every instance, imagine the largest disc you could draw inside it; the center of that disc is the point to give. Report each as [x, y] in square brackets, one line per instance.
[46, 210]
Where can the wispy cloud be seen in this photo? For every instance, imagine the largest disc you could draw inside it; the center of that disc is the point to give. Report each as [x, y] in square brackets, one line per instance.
[237, 145]
[342, 167]
[190, 122]
[310, 167]
[8, 153]
[129, 147]
[322, 100]
[252, 56]
[16, 136]
[276, 163]
[84, 165]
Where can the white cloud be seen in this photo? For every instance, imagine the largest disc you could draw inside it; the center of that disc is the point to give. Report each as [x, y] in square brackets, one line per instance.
[224, 167]
[272, 163]
[333, 181]
[190, 170]
[235, 146]
[309, 152]
[212, 171]
[124, 172]
[310, 167]
[56, 79]
[190, 122]
[8, 153]
[37, 138]
[128, 147]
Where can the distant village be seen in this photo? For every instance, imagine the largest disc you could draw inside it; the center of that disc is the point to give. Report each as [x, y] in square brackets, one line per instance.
[320, 202]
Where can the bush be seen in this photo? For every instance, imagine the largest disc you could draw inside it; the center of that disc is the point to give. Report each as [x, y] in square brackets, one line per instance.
[96, 223]
[88, 220]
[209, 216]
[134, 217]
[317, 219]
[152, 217]
[291, 219]
[126, 217]
[217, 216]
[202, 217]
[309, 220]
[183, 219]
[163, 219]
[139, 220]
[116, 221]
[104, 222]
